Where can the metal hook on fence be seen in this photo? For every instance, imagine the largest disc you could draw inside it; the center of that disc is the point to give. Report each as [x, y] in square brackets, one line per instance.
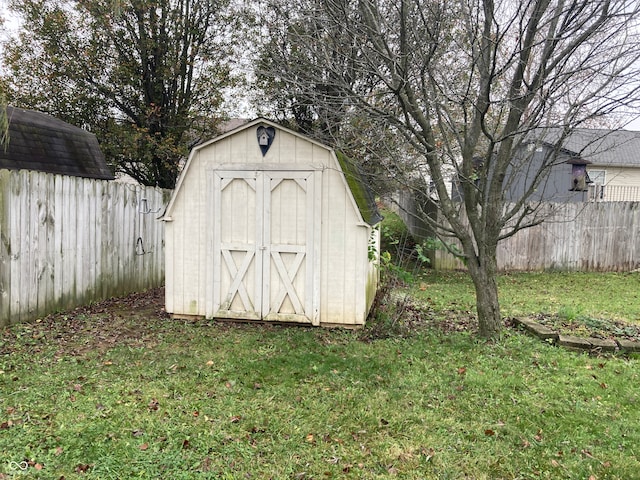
[144, 207]
[140, 247]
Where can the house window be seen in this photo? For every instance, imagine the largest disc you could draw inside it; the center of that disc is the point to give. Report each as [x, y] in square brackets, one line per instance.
[597, 176]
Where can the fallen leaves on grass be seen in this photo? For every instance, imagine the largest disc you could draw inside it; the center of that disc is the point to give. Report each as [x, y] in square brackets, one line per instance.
[428, 453]
[83, 467]
[130, 320]
[205, 464]
[585, 326]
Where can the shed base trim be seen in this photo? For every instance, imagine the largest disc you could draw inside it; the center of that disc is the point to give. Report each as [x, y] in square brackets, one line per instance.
[184, 316]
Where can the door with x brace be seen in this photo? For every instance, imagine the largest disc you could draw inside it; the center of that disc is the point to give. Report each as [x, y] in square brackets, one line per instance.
[264, 245]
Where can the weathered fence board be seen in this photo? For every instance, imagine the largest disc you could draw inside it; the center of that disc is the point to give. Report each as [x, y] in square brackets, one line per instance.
[5, 252]
[66, 241]
[603, 236]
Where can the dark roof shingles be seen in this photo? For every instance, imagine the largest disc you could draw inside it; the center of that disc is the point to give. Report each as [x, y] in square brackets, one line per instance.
[41, 142]
[613, 148]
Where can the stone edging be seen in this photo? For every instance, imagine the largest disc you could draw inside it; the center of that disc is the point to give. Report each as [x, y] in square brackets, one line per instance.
[589, 344]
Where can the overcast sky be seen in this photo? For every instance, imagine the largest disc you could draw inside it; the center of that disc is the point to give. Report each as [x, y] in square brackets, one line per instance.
[10, 24]
[635, 125]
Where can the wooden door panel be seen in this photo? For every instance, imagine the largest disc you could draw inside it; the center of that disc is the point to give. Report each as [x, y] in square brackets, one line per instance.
[290, 207]
[237, 263]
[265, 224]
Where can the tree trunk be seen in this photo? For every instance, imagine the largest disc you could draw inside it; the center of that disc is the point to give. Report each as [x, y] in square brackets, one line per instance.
[483, 274]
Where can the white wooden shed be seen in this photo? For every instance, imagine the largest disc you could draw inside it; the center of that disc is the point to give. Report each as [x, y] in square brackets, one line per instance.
[267, 224]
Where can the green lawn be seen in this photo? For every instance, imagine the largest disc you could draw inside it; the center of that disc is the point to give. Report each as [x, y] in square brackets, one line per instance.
[120, 391]
[608, 295]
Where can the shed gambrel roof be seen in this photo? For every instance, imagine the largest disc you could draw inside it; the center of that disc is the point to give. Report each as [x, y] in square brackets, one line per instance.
[38, 141]
[601, 147]
[360, 190]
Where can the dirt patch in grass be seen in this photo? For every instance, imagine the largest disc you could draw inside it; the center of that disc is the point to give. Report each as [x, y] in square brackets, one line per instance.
[137, 319]
[590, 327]
[408, 318]
[131, 320]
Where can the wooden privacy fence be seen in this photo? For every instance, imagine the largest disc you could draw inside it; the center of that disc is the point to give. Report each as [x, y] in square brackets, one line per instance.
[603, 236]
[67, 241]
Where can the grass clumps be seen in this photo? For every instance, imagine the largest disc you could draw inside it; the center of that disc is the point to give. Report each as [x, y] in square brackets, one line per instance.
[129, 393]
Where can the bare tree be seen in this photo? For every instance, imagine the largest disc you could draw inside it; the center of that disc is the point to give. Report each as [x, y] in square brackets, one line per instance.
[466, 84]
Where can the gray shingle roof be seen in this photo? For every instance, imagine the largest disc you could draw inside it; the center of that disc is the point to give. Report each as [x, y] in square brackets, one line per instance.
[38, 141]
[614, 148]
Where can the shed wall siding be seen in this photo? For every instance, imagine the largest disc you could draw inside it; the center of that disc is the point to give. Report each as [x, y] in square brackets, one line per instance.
[242, 148]
[343, 276]
[186, 243]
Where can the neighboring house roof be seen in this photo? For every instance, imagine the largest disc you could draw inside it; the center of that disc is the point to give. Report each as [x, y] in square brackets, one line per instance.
[232, 124]
[613, 148]
[38, 141]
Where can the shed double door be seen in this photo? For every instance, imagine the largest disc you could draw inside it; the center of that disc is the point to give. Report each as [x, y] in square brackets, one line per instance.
[264, 262]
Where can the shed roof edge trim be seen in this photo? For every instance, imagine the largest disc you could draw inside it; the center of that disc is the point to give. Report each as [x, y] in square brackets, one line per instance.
[255, 122]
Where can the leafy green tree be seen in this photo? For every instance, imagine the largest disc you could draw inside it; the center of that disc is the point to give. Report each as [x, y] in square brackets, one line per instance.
[147, 76]
[465, 83]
